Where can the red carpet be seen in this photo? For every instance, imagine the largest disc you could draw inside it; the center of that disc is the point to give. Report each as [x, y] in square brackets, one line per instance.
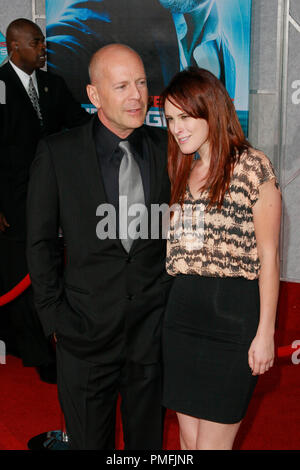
[29, 407]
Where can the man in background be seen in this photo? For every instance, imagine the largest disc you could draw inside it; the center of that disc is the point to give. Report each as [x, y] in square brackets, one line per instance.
[36, 104]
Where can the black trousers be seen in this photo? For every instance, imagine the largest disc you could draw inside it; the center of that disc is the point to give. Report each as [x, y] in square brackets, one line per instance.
[20, 326]
[88, 396]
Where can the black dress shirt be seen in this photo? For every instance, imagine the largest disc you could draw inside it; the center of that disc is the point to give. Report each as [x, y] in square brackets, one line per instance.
[110, 156]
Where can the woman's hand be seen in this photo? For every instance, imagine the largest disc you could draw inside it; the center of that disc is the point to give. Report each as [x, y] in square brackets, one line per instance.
[261, 354]
[3, 222]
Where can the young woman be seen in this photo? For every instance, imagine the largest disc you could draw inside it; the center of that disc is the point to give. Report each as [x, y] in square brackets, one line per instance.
[223, 250]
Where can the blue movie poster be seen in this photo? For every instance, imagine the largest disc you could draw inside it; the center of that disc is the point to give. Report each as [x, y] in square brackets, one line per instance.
[168, 34]
[3, 51]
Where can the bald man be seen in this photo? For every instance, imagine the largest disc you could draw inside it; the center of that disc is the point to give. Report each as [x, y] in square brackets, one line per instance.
[106, 311]
[24, 119]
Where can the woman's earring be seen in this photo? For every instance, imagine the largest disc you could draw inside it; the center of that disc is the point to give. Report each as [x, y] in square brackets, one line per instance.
[197, 156]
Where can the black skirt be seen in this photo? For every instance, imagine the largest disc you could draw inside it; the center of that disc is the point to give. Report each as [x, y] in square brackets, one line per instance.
[209, 326]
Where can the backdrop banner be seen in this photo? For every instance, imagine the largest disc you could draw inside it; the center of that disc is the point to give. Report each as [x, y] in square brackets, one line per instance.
[168, 34]
[3, 51]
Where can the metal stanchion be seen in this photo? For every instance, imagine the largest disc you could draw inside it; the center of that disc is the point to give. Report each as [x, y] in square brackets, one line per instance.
[51, 440]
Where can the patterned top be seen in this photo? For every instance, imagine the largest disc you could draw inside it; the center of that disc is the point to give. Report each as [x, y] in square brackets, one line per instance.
[220, 243]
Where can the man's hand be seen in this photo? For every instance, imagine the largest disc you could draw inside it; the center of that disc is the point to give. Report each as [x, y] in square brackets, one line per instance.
[3, 222]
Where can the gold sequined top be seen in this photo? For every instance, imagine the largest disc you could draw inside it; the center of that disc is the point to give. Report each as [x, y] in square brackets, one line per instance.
[220, 243]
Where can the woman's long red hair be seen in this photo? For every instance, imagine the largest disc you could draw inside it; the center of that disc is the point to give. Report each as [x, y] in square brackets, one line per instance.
[201, 95]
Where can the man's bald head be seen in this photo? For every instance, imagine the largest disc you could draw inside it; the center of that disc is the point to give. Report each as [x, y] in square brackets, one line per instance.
[107, 56]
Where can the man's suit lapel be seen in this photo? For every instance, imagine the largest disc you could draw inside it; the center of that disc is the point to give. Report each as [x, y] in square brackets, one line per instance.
[20, 92]
[92, 173]
[89, 164]
[44, 95]
[157, 160]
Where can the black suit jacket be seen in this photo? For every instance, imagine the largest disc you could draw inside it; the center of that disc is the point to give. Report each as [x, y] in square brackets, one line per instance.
[20, 132]
[109, 304]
